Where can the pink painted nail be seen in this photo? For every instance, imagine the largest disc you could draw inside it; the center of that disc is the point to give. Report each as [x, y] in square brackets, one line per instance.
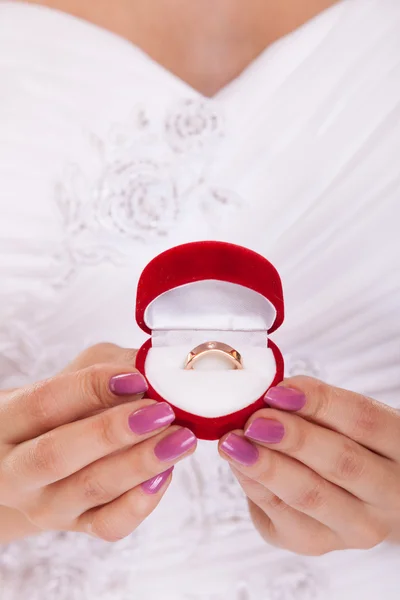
[285, 398]
[150, 418]
[175, 445]
[154, 485]
[240, 450]
[128, 384]
[268, 431]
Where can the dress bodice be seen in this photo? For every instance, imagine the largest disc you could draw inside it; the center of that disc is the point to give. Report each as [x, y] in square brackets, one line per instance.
[105, 160]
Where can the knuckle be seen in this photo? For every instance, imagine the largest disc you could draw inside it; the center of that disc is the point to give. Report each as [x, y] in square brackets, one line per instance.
[350, 465]
[90, 382]
[45, 456]
[106, 432]
[366, 418]
[275, 503]
[313, 499]
[40, 402]
[89, 378]
[323, 396]
[94, 491]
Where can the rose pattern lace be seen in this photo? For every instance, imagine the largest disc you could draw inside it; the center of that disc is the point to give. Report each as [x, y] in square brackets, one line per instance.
[148, 176]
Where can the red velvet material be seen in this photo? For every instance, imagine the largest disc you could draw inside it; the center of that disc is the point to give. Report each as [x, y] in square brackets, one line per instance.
[211, 428]
[198, 261]
[207, 261]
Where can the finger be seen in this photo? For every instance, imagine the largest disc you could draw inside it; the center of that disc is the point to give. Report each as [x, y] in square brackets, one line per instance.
[70, 448]
[121, 517]
[372, 424]
[30, 411]
[338, 459]
[283, 526]
[302, 489]
[101, 354]
[112, 476]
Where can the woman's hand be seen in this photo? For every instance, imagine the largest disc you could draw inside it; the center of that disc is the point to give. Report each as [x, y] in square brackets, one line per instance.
[325, 478]
[83, 452]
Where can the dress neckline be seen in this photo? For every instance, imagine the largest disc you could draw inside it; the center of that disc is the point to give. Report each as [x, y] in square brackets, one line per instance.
[250, 73]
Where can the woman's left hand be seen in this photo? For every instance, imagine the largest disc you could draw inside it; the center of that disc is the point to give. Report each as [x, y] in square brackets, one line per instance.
[321, 469]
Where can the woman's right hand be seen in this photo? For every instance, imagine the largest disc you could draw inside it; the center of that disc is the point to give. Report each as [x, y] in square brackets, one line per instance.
[84, 452]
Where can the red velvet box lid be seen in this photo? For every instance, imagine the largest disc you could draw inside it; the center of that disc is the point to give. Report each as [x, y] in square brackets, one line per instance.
[209, 260]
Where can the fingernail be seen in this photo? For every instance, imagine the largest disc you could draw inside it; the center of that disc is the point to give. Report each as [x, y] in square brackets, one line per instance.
[268, 431]
[175, 445]
[150, 418]
[154, 485]
[128, 384]
[240, 450]
[285, 398]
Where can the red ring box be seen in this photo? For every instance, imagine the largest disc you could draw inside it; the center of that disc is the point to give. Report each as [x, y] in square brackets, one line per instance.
[210, 291]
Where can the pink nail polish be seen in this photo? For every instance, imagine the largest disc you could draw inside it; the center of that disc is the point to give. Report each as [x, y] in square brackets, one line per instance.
[128, 384]
[240, 450]
[268, 431]
[175, 444]
[285, 398]
[154, 485]
[150, 418]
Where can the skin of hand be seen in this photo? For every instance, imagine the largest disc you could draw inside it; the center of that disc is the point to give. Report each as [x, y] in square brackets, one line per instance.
[83, 451]
[320, 467]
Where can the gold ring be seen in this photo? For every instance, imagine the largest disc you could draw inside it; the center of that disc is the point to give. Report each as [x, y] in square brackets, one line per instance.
[216, 347]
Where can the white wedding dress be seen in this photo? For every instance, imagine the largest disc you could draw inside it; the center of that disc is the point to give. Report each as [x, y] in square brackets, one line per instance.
[106, 159]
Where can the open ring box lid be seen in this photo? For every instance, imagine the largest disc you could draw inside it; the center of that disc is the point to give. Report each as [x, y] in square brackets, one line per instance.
[210, 291]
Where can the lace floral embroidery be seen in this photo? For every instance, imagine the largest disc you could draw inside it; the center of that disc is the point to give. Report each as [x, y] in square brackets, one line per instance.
[148, 176]
[192, 125]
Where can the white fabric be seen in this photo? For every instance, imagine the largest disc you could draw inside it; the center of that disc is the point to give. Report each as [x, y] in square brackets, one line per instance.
[105, 160]
[192, 338]
[211, 392]
[210, 304]
[205, 311]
